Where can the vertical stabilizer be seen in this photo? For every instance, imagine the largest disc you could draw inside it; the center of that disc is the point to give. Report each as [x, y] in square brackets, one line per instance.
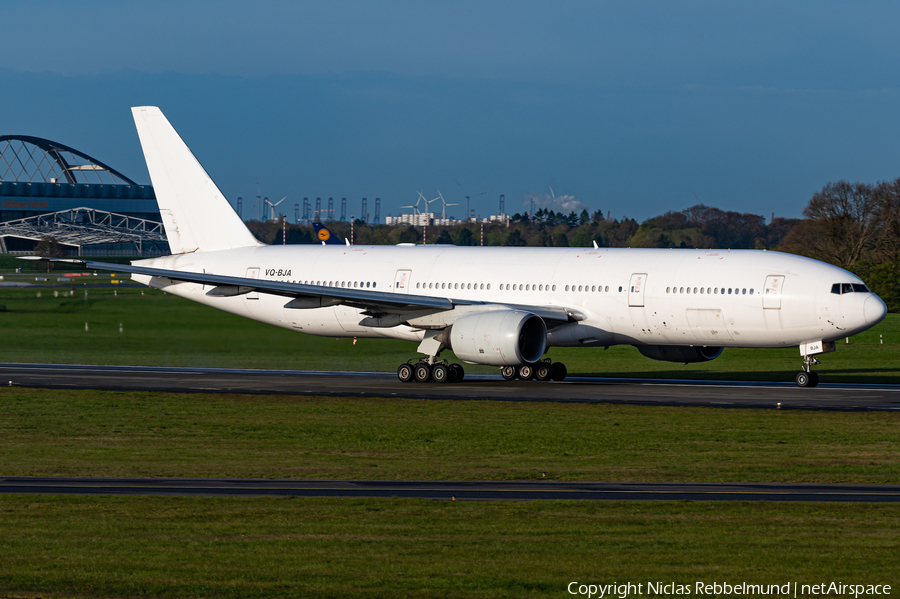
[196, 215]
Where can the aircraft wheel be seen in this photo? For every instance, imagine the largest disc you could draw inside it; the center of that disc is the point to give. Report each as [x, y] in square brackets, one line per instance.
[422, 372]
[405, 373]
[440, 373]
[460, 373]
[803, 379]
[813, 379]
[526, 372]
[558, 371]
[542, 371]
[508, 372]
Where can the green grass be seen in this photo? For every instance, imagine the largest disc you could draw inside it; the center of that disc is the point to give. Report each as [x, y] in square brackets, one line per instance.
[164, 330]
[232, 547]
[107, 433]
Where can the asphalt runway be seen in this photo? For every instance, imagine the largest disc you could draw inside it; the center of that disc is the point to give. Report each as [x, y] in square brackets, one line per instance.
[721, 394]
[450, 490]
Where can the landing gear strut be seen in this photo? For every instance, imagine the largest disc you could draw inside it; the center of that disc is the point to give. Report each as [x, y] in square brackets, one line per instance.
[806, 377]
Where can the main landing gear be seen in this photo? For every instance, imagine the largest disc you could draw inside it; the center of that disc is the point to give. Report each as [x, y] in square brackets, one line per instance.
[806, 377]
[423, 371]
[540, 371]
[443, 372]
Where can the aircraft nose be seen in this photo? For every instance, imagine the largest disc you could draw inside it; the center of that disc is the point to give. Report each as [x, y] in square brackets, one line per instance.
[874, 310]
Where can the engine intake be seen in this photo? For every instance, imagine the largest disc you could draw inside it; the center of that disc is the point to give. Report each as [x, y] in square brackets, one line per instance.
[680, 353]
[498, 338]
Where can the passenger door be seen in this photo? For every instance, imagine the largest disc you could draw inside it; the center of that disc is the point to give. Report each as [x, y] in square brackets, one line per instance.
[773, 292]
[636, 290]
[402, 280]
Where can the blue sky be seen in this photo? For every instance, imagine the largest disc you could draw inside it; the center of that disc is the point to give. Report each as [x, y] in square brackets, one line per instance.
[630, 107]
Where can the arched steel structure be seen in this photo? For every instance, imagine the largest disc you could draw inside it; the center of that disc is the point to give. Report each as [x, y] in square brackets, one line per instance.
[82, 228]
[35, 159]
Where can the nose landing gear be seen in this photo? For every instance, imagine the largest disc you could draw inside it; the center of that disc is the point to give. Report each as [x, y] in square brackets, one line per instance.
[806, 377]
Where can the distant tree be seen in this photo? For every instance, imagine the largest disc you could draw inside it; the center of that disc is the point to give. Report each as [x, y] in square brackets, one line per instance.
[48, 247]
[844, 218]
[444, 238]
[584, 217]
[597, 216]
[409, 235]
[465, 237]
[515, 239]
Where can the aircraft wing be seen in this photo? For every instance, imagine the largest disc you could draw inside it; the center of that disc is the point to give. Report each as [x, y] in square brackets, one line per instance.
[374, 303]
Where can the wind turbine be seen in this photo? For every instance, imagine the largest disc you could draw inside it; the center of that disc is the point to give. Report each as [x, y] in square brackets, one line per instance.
[466, 194]
[427, 202]
[272, 206]
[444, 204]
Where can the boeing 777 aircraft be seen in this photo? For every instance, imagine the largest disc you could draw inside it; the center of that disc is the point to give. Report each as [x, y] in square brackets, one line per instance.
[491, 305]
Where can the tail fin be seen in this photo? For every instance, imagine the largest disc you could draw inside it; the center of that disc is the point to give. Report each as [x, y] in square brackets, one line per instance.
[326, 236]
[194, 212]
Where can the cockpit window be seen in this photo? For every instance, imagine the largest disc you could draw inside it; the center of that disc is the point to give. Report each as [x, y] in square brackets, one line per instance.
[840, 288]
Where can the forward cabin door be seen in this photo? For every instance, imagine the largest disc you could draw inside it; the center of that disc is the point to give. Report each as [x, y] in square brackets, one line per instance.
[773, 292]
[401, 281]
[636, 290]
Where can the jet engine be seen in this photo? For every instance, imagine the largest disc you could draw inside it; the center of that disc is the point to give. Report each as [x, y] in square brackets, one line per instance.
[680, 353]
[497, 338]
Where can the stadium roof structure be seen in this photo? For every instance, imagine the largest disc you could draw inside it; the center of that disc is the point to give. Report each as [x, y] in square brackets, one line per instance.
[80, 227]
[35, 159]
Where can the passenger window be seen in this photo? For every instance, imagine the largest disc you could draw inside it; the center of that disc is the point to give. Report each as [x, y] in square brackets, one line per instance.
[668, 289]
[554, 288]
[567, 287]
[729, 291]
[489, 286]
[701, 291]
[607, 287]
[681, 290]
[744, 291]
[751, 291]
[374, 284]
[620, 289]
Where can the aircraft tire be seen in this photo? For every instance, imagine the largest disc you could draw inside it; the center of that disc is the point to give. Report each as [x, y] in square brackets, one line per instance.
[803, 379]
[543, 371]
[558, 371]
[405, 373]
[440, 373]
[526, 372]
[813, 379]
[508, 372]
[422, 372]
[460, 373]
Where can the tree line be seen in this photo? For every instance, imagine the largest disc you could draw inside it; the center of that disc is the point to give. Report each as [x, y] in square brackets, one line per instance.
[852, 225]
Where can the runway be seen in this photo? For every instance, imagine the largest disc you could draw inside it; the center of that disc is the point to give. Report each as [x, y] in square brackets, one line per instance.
[721, 394]
[450, 490]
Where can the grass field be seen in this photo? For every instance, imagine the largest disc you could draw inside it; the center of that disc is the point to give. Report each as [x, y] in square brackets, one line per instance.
[219, 547]
[107, 433]
[57, 546]
[160, 329]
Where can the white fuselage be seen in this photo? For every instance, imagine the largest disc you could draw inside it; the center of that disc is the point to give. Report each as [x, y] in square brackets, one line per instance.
[626, 296]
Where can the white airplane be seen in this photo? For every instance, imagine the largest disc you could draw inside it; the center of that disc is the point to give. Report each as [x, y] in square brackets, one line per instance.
[491, 305]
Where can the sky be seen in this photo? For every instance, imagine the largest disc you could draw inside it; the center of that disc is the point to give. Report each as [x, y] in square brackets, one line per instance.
[633, 108]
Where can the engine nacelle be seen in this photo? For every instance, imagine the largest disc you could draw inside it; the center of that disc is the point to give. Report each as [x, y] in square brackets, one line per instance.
[498, 338]
[680, 353]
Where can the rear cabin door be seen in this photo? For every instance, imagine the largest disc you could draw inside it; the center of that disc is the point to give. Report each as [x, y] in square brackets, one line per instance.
[253, 273]
[773, 292]
[636, 290]
[401, 281]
